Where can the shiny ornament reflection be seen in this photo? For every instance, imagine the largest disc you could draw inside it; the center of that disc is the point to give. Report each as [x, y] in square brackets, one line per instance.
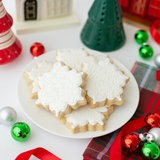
[152, 120]
[20, 131]
[131, 142]
[155, 132]
[157, 60]
[141, 36]
[150, 151]
[146, 51]
[150, 137]
[7, 116]
[37, 49]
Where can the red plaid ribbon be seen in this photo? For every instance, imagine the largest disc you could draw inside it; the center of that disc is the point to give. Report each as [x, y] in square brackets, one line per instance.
[99, 148]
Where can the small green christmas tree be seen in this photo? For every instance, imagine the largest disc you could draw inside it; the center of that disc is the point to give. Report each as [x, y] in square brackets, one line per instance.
[103, 30]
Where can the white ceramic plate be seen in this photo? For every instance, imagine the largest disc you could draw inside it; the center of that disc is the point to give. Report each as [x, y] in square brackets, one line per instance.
[48, 122]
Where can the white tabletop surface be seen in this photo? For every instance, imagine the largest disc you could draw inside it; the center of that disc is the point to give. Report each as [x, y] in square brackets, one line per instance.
[65, 148]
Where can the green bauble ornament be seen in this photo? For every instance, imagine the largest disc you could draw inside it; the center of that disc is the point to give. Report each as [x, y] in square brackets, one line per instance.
[20, 131]
[146, 51]
[141, 36]
[150, 151]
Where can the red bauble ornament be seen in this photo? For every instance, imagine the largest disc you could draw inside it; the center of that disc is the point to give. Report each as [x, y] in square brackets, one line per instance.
[131, 142]
[152, 120]
[37, 49]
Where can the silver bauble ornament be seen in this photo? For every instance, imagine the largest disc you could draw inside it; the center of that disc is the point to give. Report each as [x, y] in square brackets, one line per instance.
[150, 137]
[7, 116]
[157, 60]
[155, 132]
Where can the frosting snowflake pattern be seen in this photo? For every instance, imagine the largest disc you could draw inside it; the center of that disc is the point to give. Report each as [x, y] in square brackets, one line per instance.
[39, 70]
[59, 87]
[74, 58]
[85, 114]
[104, 81]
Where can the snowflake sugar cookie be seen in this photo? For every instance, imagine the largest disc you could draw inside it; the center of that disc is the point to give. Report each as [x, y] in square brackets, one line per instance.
[86, 119]
[105, 83]
[74, 57]
[31, 76]
[61, 90]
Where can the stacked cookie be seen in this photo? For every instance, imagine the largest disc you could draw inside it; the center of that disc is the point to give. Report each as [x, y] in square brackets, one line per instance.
[78, 89]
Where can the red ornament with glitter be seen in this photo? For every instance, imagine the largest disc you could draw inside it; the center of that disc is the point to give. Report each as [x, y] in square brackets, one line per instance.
[152, 120]
[37, 49]
[131, 142]
[10, 46]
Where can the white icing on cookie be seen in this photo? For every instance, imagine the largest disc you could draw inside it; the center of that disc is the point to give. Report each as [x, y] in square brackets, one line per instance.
[59, 87]
[103, 58]
[74, 58]
[39, 70]
[85, 114]
[35, 86]
[104, 81]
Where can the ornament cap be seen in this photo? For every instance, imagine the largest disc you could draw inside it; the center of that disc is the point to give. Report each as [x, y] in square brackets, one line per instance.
[150, 137]
[142, 137]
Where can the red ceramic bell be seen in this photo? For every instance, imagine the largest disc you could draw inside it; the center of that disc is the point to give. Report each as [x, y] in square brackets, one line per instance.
[10, 46]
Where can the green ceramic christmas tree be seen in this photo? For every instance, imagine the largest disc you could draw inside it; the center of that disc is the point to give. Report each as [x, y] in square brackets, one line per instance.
[103, 30]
